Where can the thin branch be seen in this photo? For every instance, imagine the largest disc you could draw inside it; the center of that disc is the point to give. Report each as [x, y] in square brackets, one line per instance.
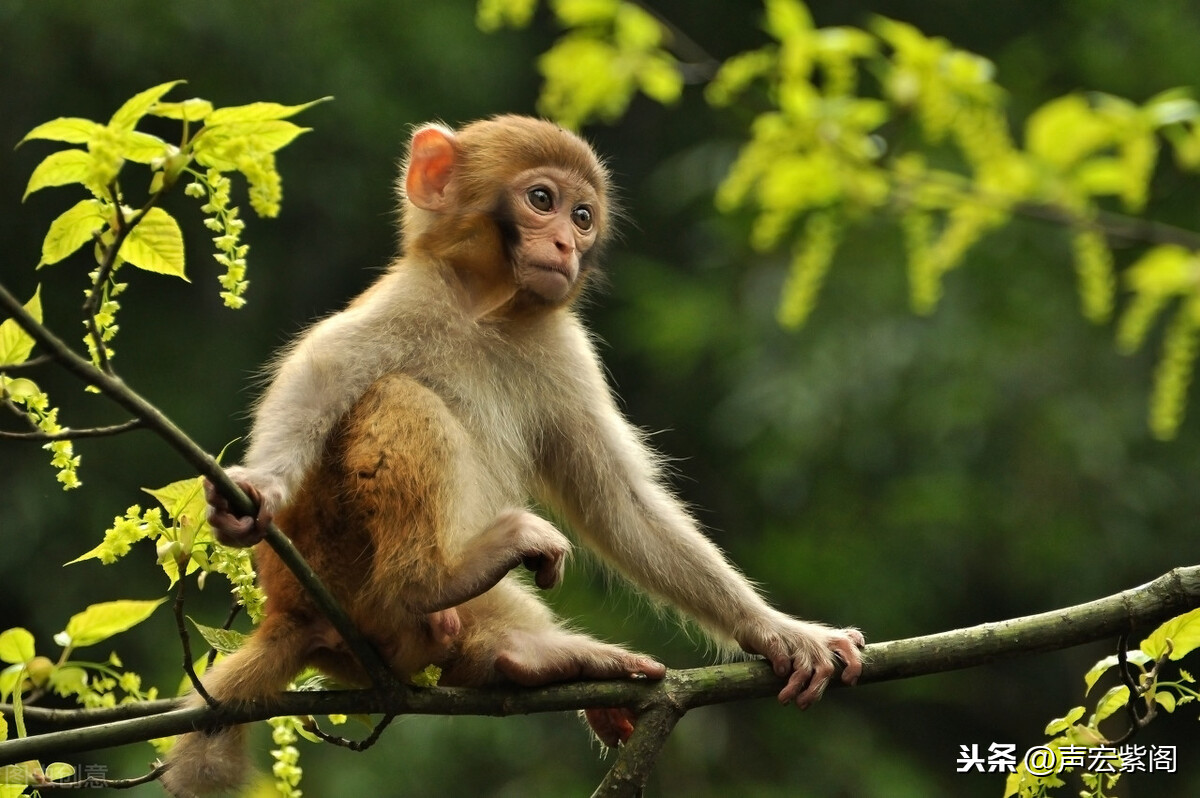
[69, 434]
[1152, 603]
[203, 462]
[354, 745]
[28, 364]
[185, 643]
[95, 782]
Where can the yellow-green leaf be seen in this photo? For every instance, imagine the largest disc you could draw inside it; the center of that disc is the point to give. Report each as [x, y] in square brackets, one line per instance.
[138, 105]
[59, 770]
[155, 244]
[59, 169]
[181, 498]
[16, 344]
[1165, 700]
[193, 110]
[16, 645]
[143, 147]
[70, 129]
[579, 13]
[1113, 700]
[20, 388]
[1183, 632]
[23, 773]
[220, 146]
[257, 112]
[68, 680]
[101, 621]
[225, 641]
[1061, 724]
[72, 230]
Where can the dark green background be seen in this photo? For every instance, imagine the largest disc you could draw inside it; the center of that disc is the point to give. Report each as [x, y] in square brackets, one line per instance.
[904, 474]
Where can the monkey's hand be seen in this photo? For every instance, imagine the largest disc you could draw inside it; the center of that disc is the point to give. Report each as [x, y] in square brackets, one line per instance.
[234, 530]
[806, 654]
[535, 544]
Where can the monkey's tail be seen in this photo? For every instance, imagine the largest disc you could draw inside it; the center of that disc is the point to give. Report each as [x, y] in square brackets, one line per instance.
[203, 763]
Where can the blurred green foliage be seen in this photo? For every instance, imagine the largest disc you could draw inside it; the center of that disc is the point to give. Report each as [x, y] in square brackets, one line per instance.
[905, 474]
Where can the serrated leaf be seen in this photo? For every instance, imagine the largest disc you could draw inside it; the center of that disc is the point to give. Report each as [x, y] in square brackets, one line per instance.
[16, 645]
[192, 110]
[218, 147]
[225, 641]
[1183, 632]
[71, 230]
[59, 169]
[70, 129]
[1060, 724]
[101, 621]
[156, 244]
[257, 112]
[15, 344]
[135, 107]
[143, 148]
[1110, 702]
[181, 498]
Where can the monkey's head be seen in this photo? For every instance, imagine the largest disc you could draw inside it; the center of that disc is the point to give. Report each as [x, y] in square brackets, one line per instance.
[511, 201]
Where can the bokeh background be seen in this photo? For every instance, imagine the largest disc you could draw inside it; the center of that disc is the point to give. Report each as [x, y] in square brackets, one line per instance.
[904, 474]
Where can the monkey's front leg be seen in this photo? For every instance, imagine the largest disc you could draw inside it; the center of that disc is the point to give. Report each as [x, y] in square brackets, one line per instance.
[801, 651]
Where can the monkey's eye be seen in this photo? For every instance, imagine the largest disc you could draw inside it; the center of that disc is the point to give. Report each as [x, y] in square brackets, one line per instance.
[540, 199]
[582, 216]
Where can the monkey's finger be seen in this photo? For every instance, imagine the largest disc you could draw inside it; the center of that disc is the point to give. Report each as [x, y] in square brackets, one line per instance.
[847, 650]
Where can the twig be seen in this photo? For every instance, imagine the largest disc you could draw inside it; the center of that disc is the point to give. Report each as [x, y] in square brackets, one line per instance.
[155, 420]
[28, 364]
[185, 642]
[74, 434]
[354, 745]
[93, 782]
[636, 758]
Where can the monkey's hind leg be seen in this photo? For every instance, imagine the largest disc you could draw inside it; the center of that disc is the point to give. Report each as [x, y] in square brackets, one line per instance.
[203, 763]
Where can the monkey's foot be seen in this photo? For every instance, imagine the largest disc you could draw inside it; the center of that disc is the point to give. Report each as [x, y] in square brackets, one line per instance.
[234, 530]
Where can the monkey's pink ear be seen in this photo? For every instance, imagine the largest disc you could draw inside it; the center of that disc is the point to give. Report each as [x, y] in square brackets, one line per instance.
[430, 165]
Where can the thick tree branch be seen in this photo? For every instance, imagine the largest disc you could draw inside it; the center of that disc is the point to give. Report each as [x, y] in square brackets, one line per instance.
[116, 389]
[1140, 607]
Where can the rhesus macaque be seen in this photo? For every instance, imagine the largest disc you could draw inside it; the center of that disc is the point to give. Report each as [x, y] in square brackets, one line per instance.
[403, 438]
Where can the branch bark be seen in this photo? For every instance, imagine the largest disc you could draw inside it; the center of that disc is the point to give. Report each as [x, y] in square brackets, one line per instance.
[661, 703]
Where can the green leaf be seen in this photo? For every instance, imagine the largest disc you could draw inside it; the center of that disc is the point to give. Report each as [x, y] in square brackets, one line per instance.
[101, 621]
[72, 230]
[19, 774]
[1183, 632]
[138, 105]
[70, 129]
[193, 110]
[21, 388]
[16, 344]
[1165, 700]
[1100, 668]
[1111, 701]
[220, 146]
[59, 169]
[257, 112]
[1061, 724]
[155, 244]
[59, 770]
[225, 641]
[579, 13]
[143, 147]
[185, 497]
[16, 646]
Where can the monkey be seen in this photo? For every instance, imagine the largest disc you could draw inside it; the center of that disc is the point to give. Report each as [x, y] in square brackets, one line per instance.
[401, 441]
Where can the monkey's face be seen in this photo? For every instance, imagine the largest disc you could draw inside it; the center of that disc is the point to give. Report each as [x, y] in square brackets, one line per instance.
[555, 218]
